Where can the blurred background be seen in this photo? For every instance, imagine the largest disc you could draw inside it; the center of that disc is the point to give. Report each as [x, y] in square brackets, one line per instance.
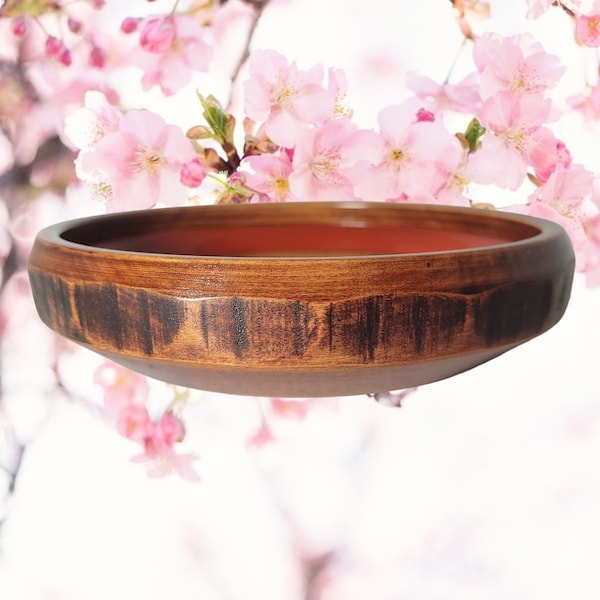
[486, 485]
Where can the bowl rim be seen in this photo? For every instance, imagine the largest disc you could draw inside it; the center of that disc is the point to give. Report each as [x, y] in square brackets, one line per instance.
[544, 230]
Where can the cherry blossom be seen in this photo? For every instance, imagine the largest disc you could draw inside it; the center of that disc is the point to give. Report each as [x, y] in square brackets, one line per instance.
[587, 103]
[158, 34]
[133, 422]
[565, 198]
[587, 29]
[285, 97]
[170, 462]
[325, 161]
[270, 176]
[515, 64]
[412, 157]
[454, 192]
[546, 159]
[171, 50]
[85, 127]
[590, 254]
[158, 439]
[536, 8]
[140, 162]
[462, 97]
[126, 398]
[122, 388]
[515, 140]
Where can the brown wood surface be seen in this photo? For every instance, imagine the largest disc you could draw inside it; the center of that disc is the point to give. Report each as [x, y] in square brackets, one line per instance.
[341, 299]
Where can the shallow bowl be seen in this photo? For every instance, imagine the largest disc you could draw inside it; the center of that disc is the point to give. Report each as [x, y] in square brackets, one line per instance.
[302, 299]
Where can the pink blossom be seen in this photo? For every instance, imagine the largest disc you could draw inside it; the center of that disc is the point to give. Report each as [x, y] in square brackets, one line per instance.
[587, 30]
[29, 217]
[412, 157]
[325, 159]
[337, 85]
[461, 97]
[516, 64]
[28, 348]
[141, 161]
[536, 8]
[86, 126]
[587, 103]
[159, 439]
[270, 176]
[546, 158]
[122, 388]
[590, 255]
[565, 198]
[158, 34]
[168, 463]
[515, 139]
[171, 55]
[286, 98]
[133, 422]
[454, 190]
[262, 437]
[288, 408]
[163, 435]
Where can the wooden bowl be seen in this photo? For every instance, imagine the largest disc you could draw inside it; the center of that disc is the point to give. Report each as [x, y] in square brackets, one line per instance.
[302, 299]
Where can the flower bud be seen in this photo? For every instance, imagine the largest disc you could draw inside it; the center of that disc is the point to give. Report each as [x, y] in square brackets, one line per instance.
[65, 57]
[19, 26]
[425, 115]
[74, 25]
[97, 57]
[54, 47]
[193, 173]
[129, 24]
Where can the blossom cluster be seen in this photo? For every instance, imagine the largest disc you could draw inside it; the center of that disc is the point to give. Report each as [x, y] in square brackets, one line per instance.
[301, 143]
[126, 399]
[295, 137]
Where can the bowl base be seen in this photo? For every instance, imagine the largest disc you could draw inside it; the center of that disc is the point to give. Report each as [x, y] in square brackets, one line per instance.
[307, 383]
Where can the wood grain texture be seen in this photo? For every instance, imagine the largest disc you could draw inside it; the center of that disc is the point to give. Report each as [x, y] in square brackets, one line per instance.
[318, 315]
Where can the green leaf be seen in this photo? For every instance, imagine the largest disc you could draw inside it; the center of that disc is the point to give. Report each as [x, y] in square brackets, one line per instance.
[215, 117]
[475, 131]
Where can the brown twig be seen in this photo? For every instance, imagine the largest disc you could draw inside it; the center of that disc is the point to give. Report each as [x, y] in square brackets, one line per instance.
[258, 6]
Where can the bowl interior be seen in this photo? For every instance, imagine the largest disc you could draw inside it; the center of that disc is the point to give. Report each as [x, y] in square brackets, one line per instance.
[281, 233]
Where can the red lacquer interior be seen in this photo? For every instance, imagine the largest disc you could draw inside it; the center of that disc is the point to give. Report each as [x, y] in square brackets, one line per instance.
[297, 240]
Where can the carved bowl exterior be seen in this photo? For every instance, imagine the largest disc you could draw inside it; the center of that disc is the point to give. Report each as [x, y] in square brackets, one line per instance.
[302, 299]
